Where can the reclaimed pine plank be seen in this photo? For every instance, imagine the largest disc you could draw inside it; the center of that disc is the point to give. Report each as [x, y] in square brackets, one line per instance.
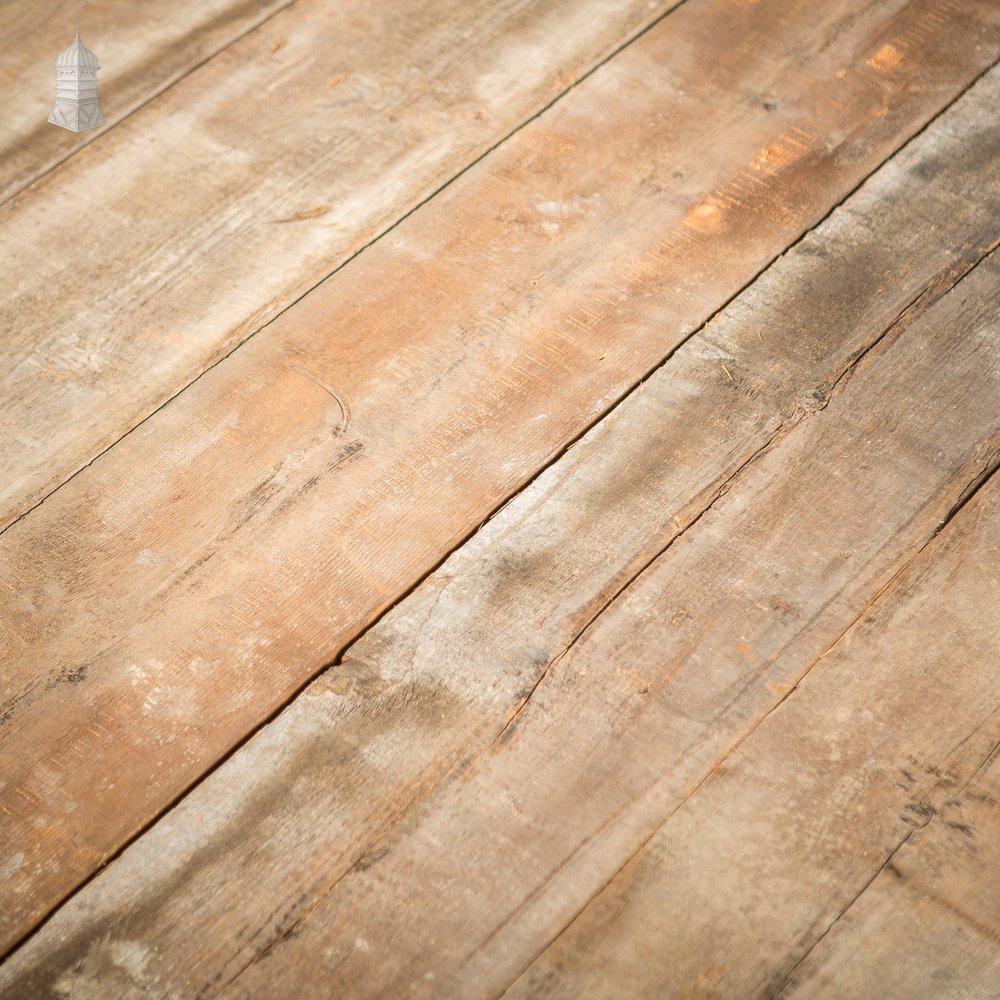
[308, 801]
[144, 47]
[152, 254]
[929, 924]
[859, 819]
[458, 896]
[267, 515]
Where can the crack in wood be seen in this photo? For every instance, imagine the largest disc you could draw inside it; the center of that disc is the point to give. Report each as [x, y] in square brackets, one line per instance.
[976, 484]
[365, 245]
[787, 978]
[405, 594]
[908, 314]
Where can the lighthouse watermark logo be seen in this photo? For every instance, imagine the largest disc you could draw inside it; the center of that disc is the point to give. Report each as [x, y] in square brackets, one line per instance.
[76, 105]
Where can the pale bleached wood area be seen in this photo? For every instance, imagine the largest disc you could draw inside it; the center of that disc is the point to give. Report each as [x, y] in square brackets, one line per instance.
[146, 47]
[501, 499]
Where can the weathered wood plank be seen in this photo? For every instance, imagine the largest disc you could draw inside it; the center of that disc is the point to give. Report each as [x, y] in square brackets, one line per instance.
[457, 897]
[144, 46]
[243, 186]
[293, 811]
[859, 775]
[261, 520]
[929, 924]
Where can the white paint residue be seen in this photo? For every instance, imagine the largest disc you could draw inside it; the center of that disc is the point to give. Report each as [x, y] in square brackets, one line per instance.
[11, 865]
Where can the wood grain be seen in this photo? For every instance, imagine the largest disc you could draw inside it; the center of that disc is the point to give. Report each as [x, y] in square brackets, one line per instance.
[436, 681]
[184, 585]
[849, 807]
[144, 47]
[244, 185]
[459, 895]
[929, 923]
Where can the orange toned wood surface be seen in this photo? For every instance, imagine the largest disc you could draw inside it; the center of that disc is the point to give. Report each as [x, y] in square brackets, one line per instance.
[258, 523]
[191, 579]
[144, 47]
[152, 253]
[848, 847]
[697, 474]
[459, 895]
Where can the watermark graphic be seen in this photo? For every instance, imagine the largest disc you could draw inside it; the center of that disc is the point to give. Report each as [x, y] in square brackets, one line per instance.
[76, 106]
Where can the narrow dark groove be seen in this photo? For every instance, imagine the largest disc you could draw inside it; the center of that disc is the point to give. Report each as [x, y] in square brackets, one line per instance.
[167, 84]
[553, 458]
[986, 762]
[347, 260]
[920, 302]
[918, 305]
[964, 497]
[789, 975]
[982, 477]
[720, 492]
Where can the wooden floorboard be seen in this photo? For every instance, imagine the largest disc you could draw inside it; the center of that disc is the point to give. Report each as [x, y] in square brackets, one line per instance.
[459, 764]
[144, 47]
[621, 728]
[504, 503]
[929, 922]
[264, 518]
[849, 846]
[244, 185]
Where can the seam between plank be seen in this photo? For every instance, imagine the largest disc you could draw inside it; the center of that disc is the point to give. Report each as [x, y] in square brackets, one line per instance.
[553, 458]
[355, 254]
[920, 302]
[167, 85]
[966, 495]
